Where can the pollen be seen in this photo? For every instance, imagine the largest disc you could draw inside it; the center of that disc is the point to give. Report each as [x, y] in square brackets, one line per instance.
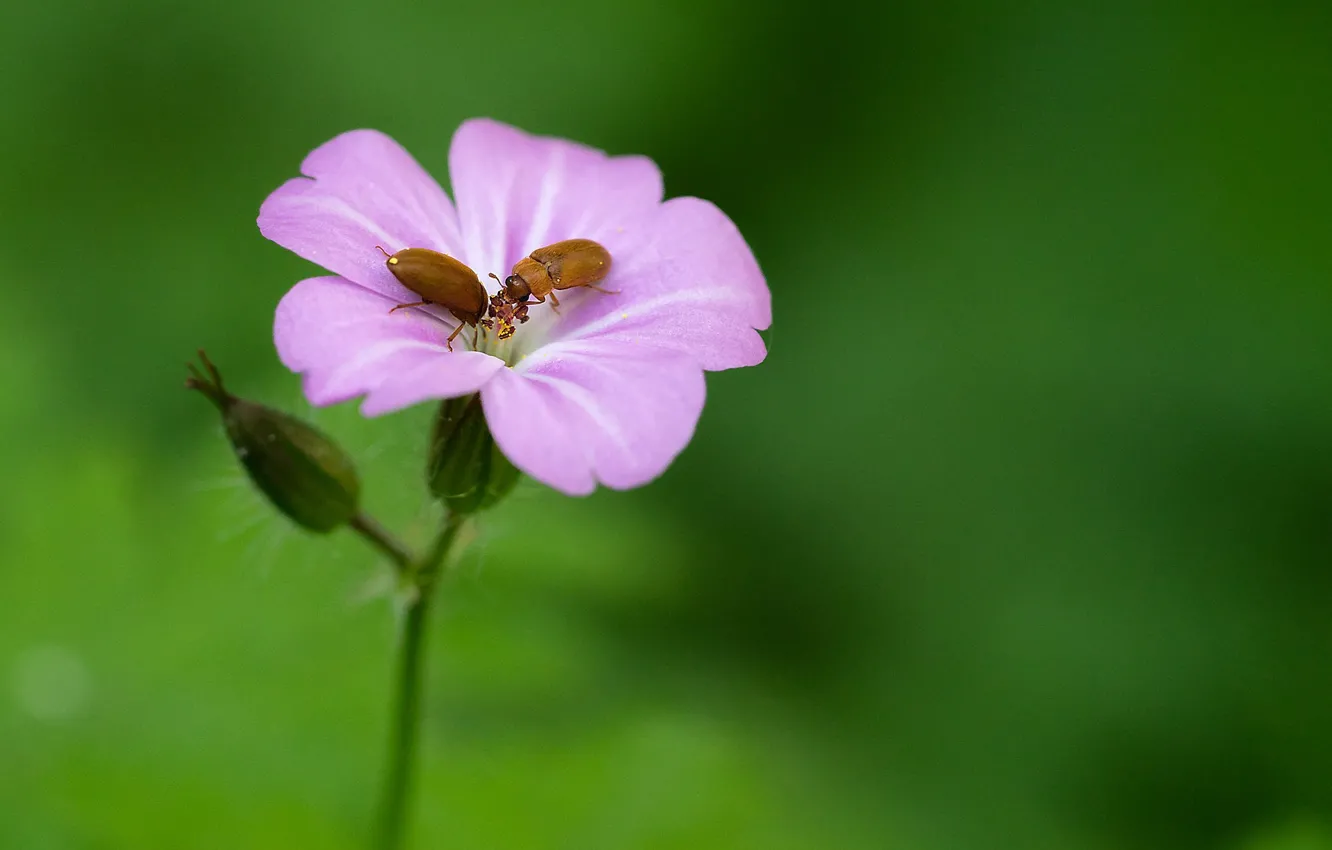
[393, 261]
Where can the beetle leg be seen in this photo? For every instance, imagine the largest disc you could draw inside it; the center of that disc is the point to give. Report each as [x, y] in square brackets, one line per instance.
[554, 303]
[452, 336]
[603, 291]
[414, 304]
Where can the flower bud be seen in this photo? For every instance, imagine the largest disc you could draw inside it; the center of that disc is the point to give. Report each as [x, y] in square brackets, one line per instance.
[302, 472]
[465, 469]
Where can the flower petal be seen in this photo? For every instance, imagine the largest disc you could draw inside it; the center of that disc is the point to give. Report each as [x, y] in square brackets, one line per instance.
[686, 281]
[518, 192]
[346, 343]
[602, 410]
[710, 337]
[366, 191]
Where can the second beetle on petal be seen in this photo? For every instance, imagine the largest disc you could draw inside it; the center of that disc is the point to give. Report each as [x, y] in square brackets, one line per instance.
[563, 265]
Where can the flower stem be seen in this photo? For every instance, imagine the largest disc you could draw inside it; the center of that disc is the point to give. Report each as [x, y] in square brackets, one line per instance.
[422, 575]
[380, 537]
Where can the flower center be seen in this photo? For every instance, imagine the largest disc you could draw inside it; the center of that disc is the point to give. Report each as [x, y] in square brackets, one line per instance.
[495, 332]
[505, 314]
[498, 333]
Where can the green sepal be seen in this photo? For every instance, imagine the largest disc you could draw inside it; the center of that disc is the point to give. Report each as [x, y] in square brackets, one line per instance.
[306, 475]
[465, 469]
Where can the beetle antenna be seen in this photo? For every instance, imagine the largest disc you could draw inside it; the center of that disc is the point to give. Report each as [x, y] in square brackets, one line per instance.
[497, 280]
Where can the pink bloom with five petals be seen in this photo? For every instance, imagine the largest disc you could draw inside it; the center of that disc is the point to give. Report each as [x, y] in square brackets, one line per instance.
[611, 388]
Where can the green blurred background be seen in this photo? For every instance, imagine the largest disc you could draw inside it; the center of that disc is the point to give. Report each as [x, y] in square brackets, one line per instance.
[1020, 537]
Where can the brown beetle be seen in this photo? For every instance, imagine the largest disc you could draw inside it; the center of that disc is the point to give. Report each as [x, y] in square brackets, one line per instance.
[440, 279]
[564, 265]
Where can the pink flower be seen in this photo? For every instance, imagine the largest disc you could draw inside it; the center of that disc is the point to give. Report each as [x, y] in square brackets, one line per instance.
[608, 390]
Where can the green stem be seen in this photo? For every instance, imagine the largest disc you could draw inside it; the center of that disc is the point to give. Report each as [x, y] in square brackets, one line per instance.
[379, 537]
[422, 574]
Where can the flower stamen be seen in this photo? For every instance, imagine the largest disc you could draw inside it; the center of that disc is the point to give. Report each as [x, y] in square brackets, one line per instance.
[506, 314]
